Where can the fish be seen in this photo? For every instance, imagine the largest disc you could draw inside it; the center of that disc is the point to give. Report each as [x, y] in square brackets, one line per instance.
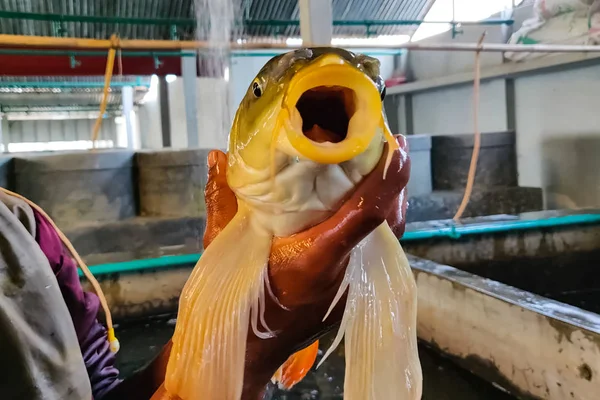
[310, 127]
[296, 367]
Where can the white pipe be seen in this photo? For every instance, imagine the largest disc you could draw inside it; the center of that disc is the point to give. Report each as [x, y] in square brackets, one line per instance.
[45, 115]
[492, 47]
[522, 48]
[127, 99]
[453, 11]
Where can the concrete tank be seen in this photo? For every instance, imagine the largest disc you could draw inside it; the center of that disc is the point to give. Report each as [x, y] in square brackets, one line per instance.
[171, 182]
[496, 165]
[79, 187]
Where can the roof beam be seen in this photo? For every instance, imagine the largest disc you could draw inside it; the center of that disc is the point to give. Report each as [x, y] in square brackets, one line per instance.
[83, 62]
[191, 22]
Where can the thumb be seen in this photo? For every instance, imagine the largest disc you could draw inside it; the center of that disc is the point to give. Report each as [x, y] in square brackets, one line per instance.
[397, 217]
[221, 203]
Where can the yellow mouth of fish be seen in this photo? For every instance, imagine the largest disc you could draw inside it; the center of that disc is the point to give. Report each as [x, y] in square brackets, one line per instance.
[331, 112]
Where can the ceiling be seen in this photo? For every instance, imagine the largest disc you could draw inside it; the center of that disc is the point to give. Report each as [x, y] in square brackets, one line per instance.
[39, 93]
[166, 19]
[258, 17]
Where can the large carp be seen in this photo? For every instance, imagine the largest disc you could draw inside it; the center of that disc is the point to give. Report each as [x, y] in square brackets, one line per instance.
[309, 128]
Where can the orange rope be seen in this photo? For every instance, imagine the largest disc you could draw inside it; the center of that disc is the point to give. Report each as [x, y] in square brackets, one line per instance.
[477, 138]
[120, 60]
[110, 64]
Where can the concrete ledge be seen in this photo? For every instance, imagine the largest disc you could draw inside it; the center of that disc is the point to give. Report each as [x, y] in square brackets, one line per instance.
[470, 250]
[530, 346]
[137, 238]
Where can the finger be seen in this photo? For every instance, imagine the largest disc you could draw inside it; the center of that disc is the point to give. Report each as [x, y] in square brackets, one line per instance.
[221, 203]
[380, 186]
[397, 217]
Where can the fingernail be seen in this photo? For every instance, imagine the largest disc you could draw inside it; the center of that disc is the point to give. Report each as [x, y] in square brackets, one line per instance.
[212, 159]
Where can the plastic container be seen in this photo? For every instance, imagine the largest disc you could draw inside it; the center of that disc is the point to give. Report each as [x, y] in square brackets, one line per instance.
[6, 172]
[419, 149]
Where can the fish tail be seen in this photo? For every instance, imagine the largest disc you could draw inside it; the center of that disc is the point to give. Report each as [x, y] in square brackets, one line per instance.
[296, 367]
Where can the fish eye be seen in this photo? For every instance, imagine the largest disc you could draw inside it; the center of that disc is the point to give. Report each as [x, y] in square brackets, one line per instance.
[256, 89]
[383, 94]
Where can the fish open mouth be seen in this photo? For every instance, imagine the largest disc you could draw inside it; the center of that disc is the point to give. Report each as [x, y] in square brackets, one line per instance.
[330, 111]
[326, 112]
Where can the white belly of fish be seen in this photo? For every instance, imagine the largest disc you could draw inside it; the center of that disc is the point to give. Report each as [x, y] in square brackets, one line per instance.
[302, 194]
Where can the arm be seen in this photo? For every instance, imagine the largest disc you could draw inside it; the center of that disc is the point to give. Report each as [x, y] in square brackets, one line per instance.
[41, 355]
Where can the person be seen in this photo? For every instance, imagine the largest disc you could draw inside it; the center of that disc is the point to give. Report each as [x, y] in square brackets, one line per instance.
[49, 358]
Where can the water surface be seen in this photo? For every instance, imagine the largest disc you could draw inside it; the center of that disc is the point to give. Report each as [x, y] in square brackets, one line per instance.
[443, 380]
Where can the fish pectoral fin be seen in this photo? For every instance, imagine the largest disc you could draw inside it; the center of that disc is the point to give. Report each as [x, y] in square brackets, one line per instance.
[296, 367]
[223, 298]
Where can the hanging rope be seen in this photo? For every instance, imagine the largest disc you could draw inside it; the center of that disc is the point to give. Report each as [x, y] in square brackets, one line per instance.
[110, 64]
[112, 339]
[477, 137]
[120, 62]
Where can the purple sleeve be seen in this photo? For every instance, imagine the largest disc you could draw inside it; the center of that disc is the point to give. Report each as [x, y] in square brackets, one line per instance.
[83, 307]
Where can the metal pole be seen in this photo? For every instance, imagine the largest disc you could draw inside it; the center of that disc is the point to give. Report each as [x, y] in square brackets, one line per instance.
[491, 47]
[189, 74]
[127, 99]
[66, 85]
[454, 24]
[165, 114]
[41, 41]
[316, 22]
[453, 11]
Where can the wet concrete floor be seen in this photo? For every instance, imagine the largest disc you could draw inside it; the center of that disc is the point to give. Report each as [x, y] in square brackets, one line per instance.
[443, 380]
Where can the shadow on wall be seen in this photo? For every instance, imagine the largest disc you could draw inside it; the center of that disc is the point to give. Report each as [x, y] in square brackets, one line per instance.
[571, 171]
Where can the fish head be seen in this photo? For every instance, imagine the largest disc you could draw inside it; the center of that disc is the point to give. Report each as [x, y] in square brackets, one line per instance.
[309, 128]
